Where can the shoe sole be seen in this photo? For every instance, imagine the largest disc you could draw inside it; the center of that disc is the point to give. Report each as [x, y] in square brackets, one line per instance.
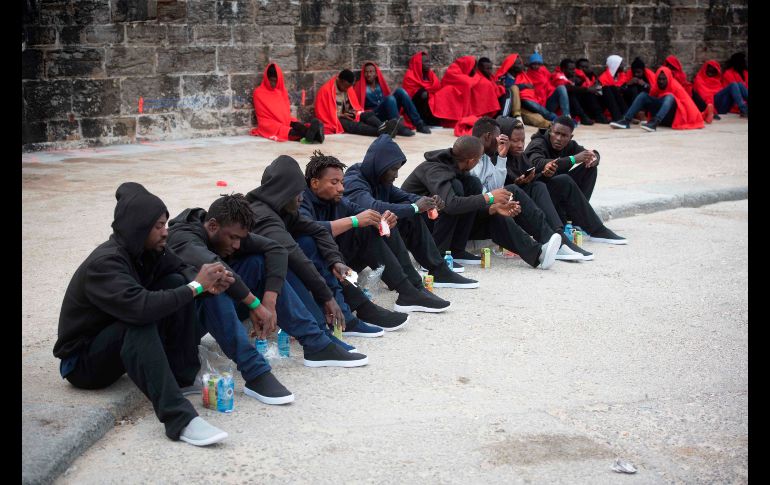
[362, 334]
[645, 128]
[269, 400]
[456, 285]
[459, 270]
[469, 261]
[390, 329]
[208, 441]
[417, 308]
[550, 254]
[609, 241]
[619, 127]
[336, 363]
[568, 258]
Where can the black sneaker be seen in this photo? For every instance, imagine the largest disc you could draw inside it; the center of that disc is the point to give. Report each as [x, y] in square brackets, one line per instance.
[650, 125]
[403, 130]
[390, 127]
[448, 279]
[586, 255]
[266, 388]
[465, 257]
[380, 317]
[335, 356]
[424, 129]
[421, 300]
[623, 124]
[605, 235]
[586, 121]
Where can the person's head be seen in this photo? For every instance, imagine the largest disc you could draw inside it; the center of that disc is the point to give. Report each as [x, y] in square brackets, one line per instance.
[272, 75]
[324, 175]
[514, 129]
[156, 239]
[535, 61]
[662, 81]
[487, 130]
[560, 132]
[466, 152]
[738, 62]
[370, 73]
[670, 65]
[711, 71]
[140, 218]
[425, 63]
[485, 67]
[583, 65]
[567, 66]
[345, 80]
[637, 68]
[292, 207]
[229, 220]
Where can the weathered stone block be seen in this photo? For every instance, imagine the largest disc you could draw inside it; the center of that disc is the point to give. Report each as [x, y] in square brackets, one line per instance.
[155, 126]
[629, 33]
[500, 14]
[97, 97]
[347, 34]
[402, 12]
[310, 35]
[179, 35]
[81, 62]
[234, 12]
[159, 94]
[205, 92]
[127, 61]
[314, 58]
[442, 14]
[44, 100]
[32, 65]
[172, 11]
[415, 35]
[237, 118]
[716, 33]
[248, 34]
[375, 53]
[146, 33]
[213, 34]
[739, 32]
[96, 127]
[242, 87]
[278, 12]
[278, 34]
[59, 130]
[740, 15]
[39, 36]
[245, 59]
[124, 127]
[133, 10]
[34, 132]
[186, 59]
[284, 55]
[201, 12]
[384, 35]
[686, 15]
[659, 34]
[201, 120]
[402, 52]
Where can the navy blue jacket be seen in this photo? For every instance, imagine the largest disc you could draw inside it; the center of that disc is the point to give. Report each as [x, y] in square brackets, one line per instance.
[362, 184]
[324, 212]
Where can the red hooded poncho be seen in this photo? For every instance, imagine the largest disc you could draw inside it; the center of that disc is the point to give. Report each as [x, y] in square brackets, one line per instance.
[461, 94]
[413, 80]
[687, 116]
[508, 63]
[521, 78]
[360, 85]
[587, 82]
[541, 79]
[679, 74]
[271, 104]
[731, 76]
[326, 106]
[558, 78]
[707, 86]
[649, 75]
[607, 79]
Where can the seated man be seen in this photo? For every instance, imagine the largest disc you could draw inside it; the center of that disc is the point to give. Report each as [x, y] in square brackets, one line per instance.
[337, 106]
[488, 77]
[638, 79]
[611, 79]
[560, 199]
[506, 75]
[583, 95]
[259, 265]
[492, 171]
[548, 97]
[518, 81]
[373, 89]
[420, 83]
[707, 109]
[356, 231]
[128, 309]
[469, 213]
[313, 255]
[370, 185]
[669, 104]
[736, 70]
[274, 120]
[461, 94]
[708, 86]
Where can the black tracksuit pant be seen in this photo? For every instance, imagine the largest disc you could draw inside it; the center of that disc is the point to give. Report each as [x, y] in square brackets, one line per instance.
[585, 178]
[561, 200]
[423, 108]
[614, 102]
[591, 105]
[368, 126]
[159, 357]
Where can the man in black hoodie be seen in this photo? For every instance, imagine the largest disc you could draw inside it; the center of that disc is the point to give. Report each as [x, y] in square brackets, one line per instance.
[469, 213]
[356, 231]
[259, 266]
[553, 152]
[370, 185]
[129, 309]
[313, 255]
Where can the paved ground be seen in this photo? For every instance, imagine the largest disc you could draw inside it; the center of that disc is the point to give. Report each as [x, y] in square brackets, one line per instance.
[503, 388]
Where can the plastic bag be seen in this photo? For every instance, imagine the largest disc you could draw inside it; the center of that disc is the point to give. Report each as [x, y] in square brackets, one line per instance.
[369, 280]
[216, 378]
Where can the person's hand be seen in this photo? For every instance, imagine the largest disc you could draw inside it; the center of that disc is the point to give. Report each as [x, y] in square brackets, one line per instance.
[424, 95]
[264, 321]
[594, 90]
[340, 270]
[333, 312]
[210, 274]
[425, 204]
[348, 115]
[505, 209]
[501, 195]
[585, 157]
[440, 204]
[502, 145]
[390, 218]
[550, 168]
[525, 178]
[369, 217]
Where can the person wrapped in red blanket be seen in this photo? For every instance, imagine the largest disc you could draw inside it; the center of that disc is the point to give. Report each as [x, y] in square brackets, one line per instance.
[421, 83]
[462, 94]
[708, 86]
[547, 96]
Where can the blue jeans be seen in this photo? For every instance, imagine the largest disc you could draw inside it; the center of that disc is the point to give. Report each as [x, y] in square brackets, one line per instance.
[390, 106]
[221, 316]
[732, 94]
[659, 106]
[559, 99]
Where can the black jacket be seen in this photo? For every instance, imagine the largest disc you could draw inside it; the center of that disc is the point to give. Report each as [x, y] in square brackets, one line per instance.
[362, 180]
[324, 212]
[435, 175]
[189, 239]
[281, 182]
[539, 152]
[111, 284]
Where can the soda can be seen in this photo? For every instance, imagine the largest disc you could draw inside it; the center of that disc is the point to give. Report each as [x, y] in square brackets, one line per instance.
[433, 213]
[211, 384]
[486, 257]
[427, 281]
[205, 391]
[225, 391]
[578, 237]
[384, 228]
[337, 330]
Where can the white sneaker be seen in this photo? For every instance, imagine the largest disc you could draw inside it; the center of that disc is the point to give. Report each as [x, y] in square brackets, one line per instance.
[548, 252]
[200, 433]
[566, 254]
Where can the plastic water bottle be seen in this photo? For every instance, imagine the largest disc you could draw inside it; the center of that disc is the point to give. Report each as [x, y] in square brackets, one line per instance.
[283, 344]
[568, 230]
[450, 261]
[261, 345]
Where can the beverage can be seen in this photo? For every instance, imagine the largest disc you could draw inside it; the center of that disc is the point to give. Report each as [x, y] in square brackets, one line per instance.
[578, 237]
[384, 228]
[205, 391]
[433, 213]
[427, 281]
[486, 257]
[337, 330]
[211, 384]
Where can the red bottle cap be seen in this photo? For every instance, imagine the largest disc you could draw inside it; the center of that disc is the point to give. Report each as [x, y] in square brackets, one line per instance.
[221, 183]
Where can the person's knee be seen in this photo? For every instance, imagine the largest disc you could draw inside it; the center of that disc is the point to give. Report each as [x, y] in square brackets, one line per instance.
[400, 94]
[307, 244]
[390, 102]
[169, 282]
[561, 90]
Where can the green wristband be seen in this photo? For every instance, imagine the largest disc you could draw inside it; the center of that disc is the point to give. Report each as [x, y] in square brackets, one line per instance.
[491, 198]
[572, 159]
[197, 287]
[416, 209]
[254, 304]
[355, 220]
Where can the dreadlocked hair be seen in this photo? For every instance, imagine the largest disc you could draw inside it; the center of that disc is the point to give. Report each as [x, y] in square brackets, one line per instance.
[320, 162]
[232, 209]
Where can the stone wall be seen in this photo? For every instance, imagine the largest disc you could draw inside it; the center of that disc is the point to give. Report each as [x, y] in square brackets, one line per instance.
[97, 72]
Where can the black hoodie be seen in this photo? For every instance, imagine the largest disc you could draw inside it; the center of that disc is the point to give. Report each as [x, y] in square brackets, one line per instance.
[111, 284]
[189, 239]
[283, 181]
[435, 175]
[540, 151]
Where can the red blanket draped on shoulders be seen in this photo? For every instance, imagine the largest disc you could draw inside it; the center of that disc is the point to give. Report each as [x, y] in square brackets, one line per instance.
[679, 74]
[413, 79]
[731, 76]
[360, 86]
[271, 105]
[541, 78]
[326, 106]
[687, 115]
[707, 86]
[461, 94]
[506, 65]
[607, 79]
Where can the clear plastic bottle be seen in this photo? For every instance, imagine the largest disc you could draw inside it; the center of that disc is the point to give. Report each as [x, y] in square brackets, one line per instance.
[450, 261]
[261, 345]
[568, 231]
[284, 348]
